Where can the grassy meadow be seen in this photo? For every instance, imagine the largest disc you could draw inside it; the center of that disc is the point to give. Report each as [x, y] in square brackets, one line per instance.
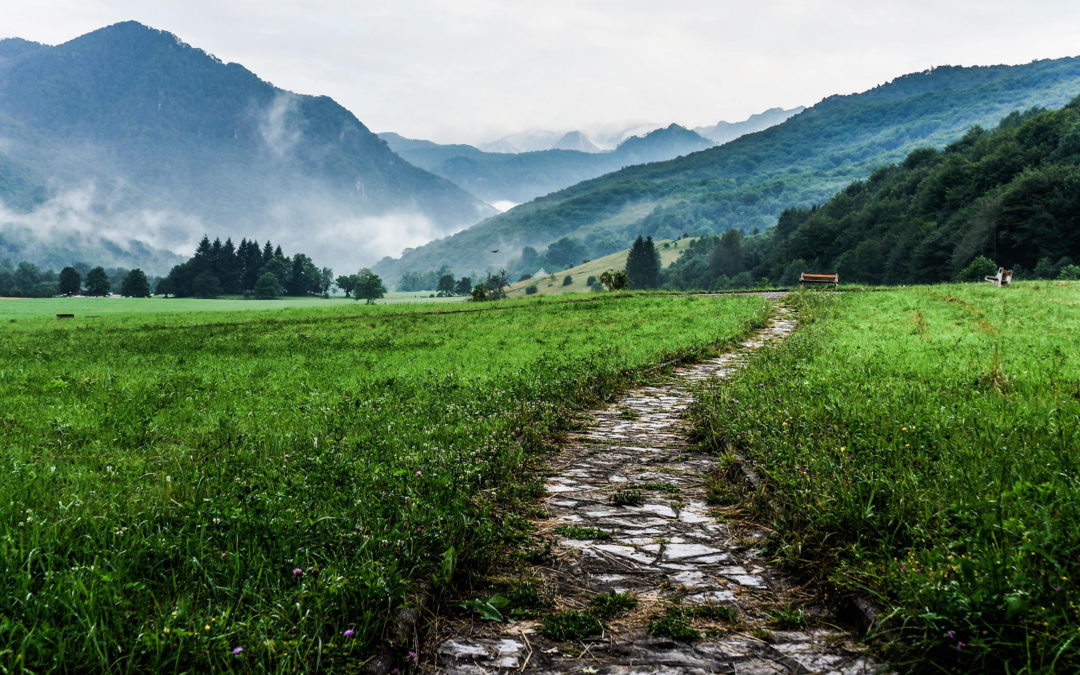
[922, 447]
[552, 284]
[264, 490]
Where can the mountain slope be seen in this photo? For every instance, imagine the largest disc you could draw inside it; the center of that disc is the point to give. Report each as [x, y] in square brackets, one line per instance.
[747, 183]
[149, 125]
[1011, 195]
[523, 176]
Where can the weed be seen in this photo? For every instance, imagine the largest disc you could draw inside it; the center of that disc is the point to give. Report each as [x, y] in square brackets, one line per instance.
[670, 488]
[565, 626]
[788, 618]
[628, 414]
[628, 497]
[612, 604]
[584, 533]
[675, 624]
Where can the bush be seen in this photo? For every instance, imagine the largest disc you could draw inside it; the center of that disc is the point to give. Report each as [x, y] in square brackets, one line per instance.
[591, 281]
[1069, 272]
[980, 267]
[567, 280]
[531, 290]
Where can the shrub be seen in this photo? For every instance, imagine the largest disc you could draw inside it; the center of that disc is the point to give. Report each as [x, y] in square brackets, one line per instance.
[980, 267]
[1069, 272]
[531, 290]
[567, 280]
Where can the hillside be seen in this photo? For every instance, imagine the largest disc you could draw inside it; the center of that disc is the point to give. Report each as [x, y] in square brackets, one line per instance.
[1011, 195]
[747, 183]
[552, 284]
[129, 134]
[519, 177]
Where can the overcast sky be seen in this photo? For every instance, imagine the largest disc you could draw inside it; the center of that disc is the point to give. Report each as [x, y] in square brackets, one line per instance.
[472, 70]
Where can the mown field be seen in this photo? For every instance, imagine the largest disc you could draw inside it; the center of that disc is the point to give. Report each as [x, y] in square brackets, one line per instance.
[922, 445]
[264, 490]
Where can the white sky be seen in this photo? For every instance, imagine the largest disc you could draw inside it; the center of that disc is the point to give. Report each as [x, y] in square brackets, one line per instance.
[472, 70]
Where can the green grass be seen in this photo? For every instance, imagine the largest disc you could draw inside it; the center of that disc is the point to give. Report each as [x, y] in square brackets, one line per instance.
[552, 284]
[179, 485]
[612, 604]
[583, 533]
[23, 308]
[922, 445]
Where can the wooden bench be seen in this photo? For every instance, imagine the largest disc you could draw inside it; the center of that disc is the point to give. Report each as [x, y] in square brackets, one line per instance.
[833, 279]
[65, 316]
[1002, 278]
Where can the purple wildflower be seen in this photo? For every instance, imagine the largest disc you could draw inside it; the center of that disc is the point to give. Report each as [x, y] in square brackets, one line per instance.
[413, 657]
[349, 633]
[418, 474]
[952, 635]
[237, 650]
[960, 646]
[297, 572]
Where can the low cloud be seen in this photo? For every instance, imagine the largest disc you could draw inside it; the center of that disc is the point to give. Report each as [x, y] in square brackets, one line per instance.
[279, 124]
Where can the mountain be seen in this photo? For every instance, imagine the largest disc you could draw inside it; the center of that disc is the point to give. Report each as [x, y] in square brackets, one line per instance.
[519, 177]
[1011, 195]
[722, 132]
[575, 140]
[129, 134]
[746, 184]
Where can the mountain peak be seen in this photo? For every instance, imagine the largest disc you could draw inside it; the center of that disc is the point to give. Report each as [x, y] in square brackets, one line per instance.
[575, 140]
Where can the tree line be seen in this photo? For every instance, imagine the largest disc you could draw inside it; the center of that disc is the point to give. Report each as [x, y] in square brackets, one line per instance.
[264, 272]
[27, 280]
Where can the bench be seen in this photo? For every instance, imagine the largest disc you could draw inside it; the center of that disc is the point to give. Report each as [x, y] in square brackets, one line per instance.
[65, 316]
[833, 279]
[1002, 278]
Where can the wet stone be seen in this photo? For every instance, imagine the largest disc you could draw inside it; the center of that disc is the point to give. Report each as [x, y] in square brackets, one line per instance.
[667, 550]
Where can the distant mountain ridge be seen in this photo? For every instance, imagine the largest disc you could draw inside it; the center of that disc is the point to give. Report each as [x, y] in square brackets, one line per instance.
[745, 184]
[724, 132]
[524, 176]
[163, 142]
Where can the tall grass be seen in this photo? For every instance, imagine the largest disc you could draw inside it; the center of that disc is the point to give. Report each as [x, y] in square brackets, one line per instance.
[923, 446]
[177, 488]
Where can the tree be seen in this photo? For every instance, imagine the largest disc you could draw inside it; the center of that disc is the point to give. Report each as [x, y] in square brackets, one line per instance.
[346, 282]
[479, 293]
[267, 287]
[643, 264]
[206, 285]
[70, 281]
[1069, 272]
[979, 268]
[567, 280]
[326, 280]
[614, 280]
[135, 285]
[463, 286]
[369, 286]
[28, 276]
[446, 286]
[305, 278]
[496, 284]
[97, 282]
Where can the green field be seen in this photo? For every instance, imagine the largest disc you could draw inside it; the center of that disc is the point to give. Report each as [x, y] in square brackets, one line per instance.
[16, 308]
[922, 447]
[178, 486]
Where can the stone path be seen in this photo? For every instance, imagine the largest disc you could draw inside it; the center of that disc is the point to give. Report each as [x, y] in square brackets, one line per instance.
[631, 474]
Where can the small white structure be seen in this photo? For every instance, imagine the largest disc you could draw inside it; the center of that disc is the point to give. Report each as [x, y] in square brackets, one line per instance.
[1002, 278]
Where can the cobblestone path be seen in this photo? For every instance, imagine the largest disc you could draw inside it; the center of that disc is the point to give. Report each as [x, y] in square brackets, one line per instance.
[666, 548]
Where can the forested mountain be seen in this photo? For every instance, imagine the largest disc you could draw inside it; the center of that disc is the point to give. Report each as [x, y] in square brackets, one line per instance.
[519, 177]
[1011, 195]
[724, 132]
[128, 134]
[747, 183]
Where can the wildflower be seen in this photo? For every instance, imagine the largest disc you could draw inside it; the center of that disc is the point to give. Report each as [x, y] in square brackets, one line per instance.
[297, 572]
[237, 650]
[418, 474]
[952, 636]
[206, 627]
[413, 657]
[349, 633]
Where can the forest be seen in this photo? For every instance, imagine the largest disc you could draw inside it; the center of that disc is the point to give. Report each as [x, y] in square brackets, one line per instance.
[1008, 196]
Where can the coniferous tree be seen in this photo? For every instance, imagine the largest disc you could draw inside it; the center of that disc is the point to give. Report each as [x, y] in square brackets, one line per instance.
[643, 264]
[135, 285]
[268, 252]
[70, 281]
[97, 282]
